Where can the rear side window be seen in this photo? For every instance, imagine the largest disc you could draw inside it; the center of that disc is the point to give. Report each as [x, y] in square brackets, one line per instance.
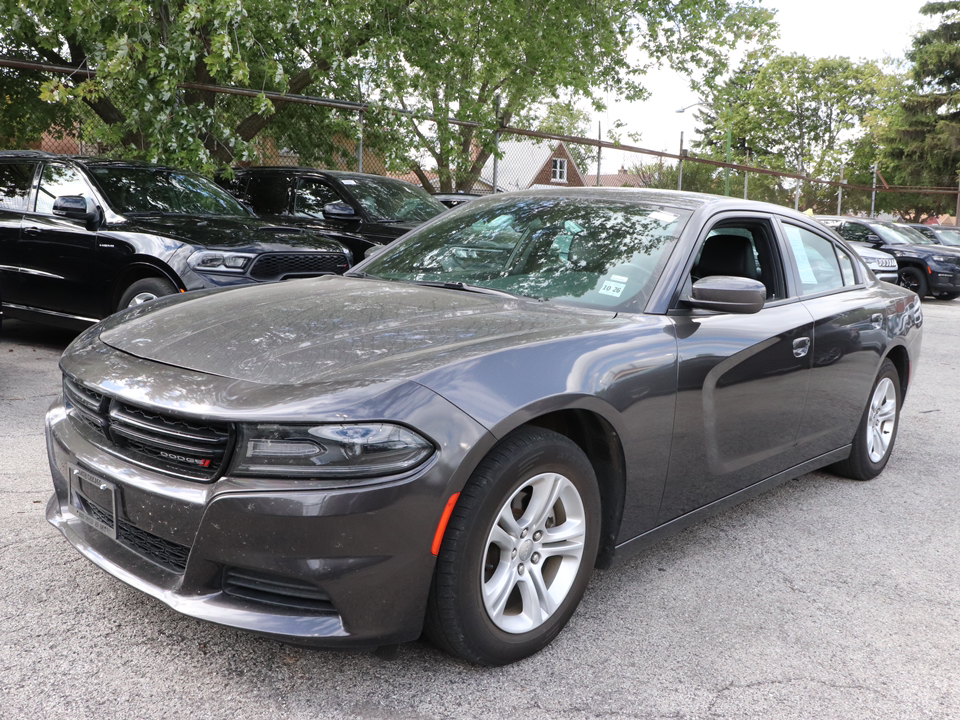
[15, 182]
[819, 261]
[267, 195]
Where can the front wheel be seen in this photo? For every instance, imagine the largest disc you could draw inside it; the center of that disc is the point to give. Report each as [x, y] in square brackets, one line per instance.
[877, 432]
[912, 278]
[144, 291]
[518, 551]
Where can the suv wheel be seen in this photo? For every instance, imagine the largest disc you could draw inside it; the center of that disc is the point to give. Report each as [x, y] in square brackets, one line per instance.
[144, 291]
[912, 279]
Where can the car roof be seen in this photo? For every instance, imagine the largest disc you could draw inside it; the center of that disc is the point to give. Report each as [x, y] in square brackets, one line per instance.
[287, 170]
[87, 160]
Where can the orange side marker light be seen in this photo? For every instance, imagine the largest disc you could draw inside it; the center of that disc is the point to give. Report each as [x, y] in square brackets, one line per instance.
[442, 525]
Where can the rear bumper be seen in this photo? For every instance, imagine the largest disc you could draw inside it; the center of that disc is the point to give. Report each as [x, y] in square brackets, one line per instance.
[363, 555]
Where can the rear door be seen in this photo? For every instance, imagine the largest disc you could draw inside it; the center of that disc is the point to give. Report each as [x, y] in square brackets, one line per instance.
[742, 379]
[849, 335]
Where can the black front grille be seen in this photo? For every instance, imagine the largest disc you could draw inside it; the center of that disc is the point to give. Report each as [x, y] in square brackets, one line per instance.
[188, 448]
[165, 553]
[170, 555]
[275, 590]
[276, 266]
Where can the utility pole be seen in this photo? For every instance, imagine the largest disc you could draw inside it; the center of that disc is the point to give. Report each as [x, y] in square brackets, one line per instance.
[726, 170]
[796, 201]
[496, 142]
[873, 195]
[680, 168]
[746, 177]
[600, 138]
[360, 142]
[840, 190]
[956, 220]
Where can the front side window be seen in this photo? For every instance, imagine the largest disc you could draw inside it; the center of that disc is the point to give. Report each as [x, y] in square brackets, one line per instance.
[592, 252]
[57, 181]
[312, 196]
[15, 181]
[741, 248]
[558, 171]
[392, 200]
[817, 261]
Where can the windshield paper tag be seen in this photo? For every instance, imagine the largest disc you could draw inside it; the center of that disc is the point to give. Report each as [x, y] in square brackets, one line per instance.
[612, 288]
[664, 217]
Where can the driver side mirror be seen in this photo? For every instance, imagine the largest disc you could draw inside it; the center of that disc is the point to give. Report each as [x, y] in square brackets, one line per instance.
[873, 240]
[338, 211]
[77, 207]
[727, 293]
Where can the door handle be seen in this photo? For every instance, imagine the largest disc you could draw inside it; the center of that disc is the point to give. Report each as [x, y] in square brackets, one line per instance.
[876, 320]
[32, 230]
[801, 346]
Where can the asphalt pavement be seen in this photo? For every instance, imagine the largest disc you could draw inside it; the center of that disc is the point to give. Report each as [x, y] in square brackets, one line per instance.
[825, 598]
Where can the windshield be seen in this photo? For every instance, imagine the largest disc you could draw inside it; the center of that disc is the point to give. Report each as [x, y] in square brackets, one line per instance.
[161, 190]
[948, 236]
[387, 199]
[586, 251]
[915, 236]
[892, 235]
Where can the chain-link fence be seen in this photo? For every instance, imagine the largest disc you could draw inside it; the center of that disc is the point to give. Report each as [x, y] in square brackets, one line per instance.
[354, 135]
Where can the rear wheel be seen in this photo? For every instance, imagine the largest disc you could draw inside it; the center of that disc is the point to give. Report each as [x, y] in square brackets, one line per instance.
[874, 440]
[518, 551]
[912, 278]
[144, 291]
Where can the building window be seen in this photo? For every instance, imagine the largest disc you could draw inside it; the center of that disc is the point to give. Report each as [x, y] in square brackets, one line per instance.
[558, 172]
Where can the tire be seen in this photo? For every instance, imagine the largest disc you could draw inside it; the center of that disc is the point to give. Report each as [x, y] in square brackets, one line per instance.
[946, 295]
[877, 432]
[144, 291]
[503, 588]
[912, 278]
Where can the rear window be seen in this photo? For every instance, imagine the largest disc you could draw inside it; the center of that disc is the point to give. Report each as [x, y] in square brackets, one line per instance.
[15, 182]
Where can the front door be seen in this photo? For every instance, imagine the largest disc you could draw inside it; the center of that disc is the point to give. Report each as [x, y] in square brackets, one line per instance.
[728, 434]
[59, 255]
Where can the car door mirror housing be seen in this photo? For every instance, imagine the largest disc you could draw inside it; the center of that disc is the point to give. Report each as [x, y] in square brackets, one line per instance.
[338, 211]
[874, 239]
[726, 293]
[76, 207]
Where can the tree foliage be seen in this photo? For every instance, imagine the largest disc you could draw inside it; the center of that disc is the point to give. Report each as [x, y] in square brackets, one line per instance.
[917, 141]
[437, 59]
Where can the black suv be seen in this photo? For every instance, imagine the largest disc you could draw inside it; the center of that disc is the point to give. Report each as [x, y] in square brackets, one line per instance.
[81, 238]
[360, 210]
[940, 234]
[923, 266]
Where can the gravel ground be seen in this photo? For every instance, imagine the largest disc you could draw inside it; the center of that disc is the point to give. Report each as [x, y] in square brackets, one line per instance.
[824, 598]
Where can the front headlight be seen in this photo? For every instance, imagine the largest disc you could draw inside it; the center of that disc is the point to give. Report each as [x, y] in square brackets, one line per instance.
[329, 451]
[211, 260]
[949, 259]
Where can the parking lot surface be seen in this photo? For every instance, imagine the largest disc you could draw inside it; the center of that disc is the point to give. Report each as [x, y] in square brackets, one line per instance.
[825, 598]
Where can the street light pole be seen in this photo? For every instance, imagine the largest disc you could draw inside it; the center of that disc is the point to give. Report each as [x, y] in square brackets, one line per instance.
[726, 170]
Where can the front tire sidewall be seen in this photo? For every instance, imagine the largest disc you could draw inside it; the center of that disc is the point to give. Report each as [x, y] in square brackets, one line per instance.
[912, 278]
[487, 644]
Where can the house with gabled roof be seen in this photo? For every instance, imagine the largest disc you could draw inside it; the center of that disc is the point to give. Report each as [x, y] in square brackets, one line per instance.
[530, 163]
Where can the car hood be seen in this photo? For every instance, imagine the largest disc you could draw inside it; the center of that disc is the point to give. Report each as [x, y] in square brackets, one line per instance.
[232, 233]
[339, 330]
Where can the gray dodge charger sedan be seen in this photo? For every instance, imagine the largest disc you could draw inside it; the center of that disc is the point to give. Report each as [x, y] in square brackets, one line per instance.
[452, 437]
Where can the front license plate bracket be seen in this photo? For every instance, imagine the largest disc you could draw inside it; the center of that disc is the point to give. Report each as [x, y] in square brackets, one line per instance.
[94, 500]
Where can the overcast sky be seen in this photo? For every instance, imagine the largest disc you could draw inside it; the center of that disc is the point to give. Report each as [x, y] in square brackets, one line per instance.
[859, 29]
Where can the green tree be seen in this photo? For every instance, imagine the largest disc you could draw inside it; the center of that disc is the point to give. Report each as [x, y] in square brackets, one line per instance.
[794, 114]
[434, 58]
[917, 140]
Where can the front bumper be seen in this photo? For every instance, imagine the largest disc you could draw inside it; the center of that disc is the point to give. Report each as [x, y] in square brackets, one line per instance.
[943, 277]
[329, 566]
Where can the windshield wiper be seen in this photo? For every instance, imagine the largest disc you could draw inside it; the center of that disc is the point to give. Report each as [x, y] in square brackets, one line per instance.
[464, 287]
